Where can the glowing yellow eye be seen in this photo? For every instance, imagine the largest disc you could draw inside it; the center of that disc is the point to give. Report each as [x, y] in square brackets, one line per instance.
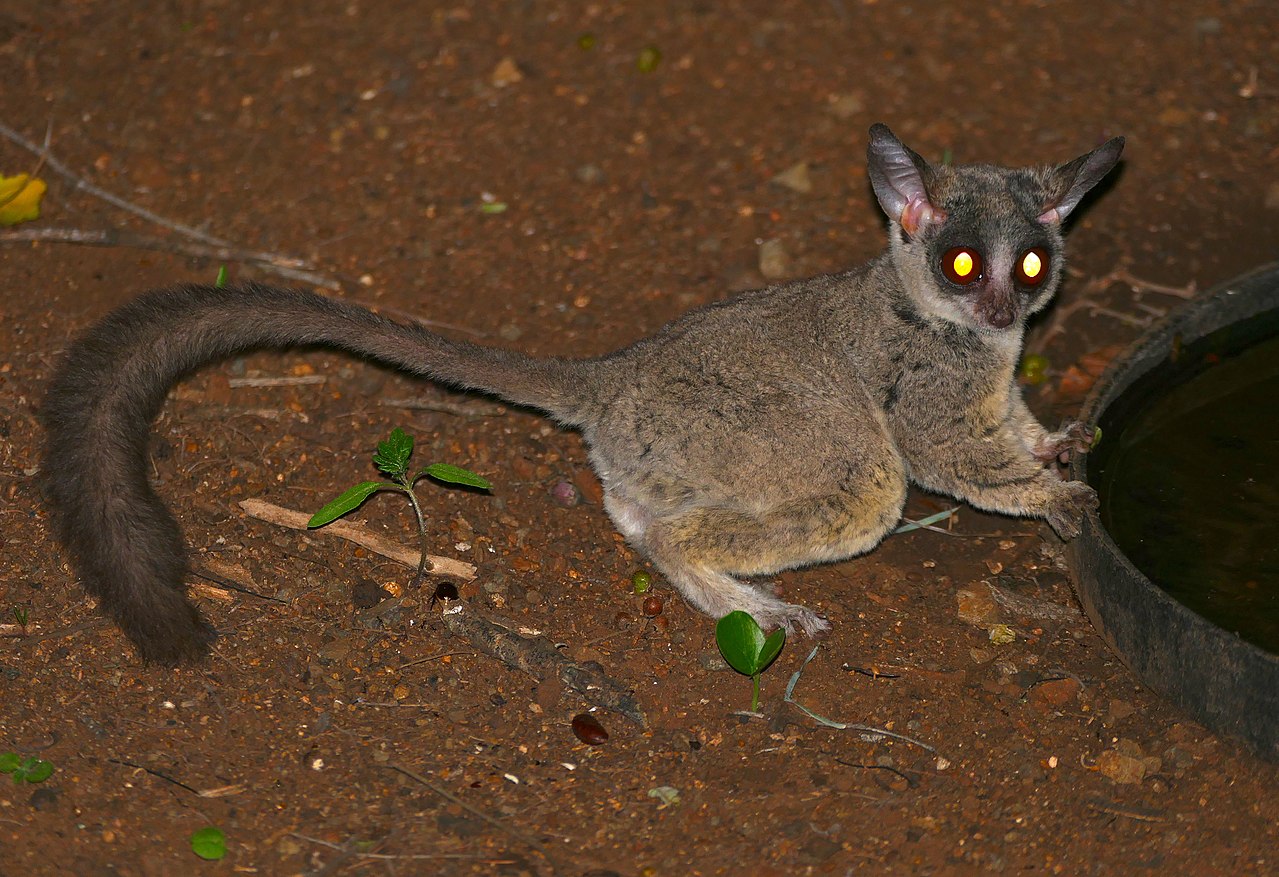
[961, 265]
[1031, 265]
[1032, 268]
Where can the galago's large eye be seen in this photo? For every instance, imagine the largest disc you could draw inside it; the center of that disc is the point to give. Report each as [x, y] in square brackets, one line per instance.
[1032, 267]
[961, 265]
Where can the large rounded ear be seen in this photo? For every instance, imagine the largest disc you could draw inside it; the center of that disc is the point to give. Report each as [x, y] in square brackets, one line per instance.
[1068, 183]
[897, 174]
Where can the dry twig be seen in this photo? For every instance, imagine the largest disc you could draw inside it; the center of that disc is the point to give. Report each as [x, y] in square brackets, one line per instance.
[214, 247]
[360, 535]
[1085, 300]
[529, 840]
[460, 409]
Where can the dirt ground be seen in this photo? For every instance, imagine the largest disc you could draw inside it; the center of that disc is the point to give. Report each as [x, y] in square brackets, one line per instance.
[517, 174]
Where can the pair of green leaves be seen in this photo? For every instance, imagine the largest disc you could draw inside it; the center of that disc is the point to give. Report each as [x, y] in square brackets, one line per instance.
[742, 643]
[392, 460]
[29, 770]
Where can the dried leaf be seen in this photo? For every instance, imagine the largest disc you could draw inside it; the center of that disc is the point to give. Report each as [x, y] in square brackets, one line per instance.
[20, 198]
[1075, 382]
[1094, 362]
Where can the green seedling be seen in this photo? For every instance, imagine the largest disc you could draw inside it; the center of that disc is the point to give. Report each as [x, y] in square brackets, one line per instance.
[220, 282]
[28, 770]
[20, 616]
[742, 643]
[392, 460]
[209, 843]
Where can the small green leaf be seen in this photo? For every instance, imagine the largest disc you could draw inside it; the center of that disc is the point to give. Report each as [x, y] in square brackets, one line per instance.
[451, 474]
[649, 58]
[209, 844]
[9, 762]
[740, 641]
[392, 455]
[348, 501]
[1096, 437]
[220, 282]
[492, 208]
[34, 770]
[771, 649]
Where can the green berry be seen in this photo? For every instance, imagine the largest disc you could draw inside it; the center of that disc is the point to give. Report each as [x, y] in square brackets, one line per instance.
[641, 582]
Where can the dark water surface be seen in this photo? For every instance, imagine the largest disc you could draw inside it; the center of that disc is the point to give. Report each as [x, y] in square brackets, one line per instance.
[1188, 473]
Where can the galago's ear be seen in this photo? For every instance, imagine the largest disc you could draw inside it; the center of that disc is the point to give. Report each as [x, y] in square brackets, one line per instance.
[897, 174]
[1068, 183]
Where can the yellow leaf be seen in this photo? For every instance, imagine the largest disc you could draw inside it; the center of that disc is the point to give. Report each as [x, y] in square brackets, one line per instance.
[20, 198]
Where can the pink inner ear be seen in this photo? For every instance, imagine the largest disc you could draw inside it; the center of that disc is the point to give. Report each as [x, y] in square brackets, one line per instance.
[1050, 216]
[918, 213]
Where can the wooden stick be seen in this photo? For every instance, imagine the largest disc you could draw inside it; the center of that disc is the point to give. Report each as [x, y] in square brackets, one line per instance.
[81, 183]
[360, 535]
[112, 237]
[294, 269]
[459, 409]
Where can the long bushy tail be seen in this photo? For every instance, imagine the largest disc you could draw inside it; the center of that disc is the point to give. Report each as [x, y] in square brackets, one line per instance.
[126, 546]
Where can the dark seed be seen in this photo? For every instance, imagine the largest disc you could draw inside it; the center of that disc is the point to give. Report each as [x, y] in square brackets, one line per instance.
[588, 729]
[652, 605]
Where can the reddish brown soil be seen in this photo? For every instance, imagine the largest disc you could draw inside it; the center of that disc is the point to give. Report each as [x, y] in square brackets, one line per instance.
[364, 136]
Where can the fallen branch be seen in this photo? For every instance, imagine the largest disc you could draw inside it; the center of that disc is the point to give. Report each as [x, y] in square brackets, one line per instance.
[360, 535]
[230, 577]
[1084, 300]
[295, 269]
[351, 852]
[113, 237]
[460, 409]
[276, 381]
[540, 659]
[42, 150]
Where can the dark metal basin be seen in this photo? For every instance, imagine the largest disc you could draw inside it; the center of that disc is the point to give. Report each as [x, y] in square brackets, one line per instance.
[1224, 682]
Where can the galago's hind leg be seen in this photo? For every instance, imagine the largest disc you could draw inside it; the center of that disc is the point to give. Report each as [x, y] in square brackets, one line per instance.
[701, 549]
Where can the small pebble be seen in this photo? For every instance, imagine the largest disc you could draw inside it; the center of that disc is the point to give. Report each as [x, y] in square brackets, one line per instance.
[564, 494]
[796, 178]
[774, 264]
[589, 174]
[507, 72]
